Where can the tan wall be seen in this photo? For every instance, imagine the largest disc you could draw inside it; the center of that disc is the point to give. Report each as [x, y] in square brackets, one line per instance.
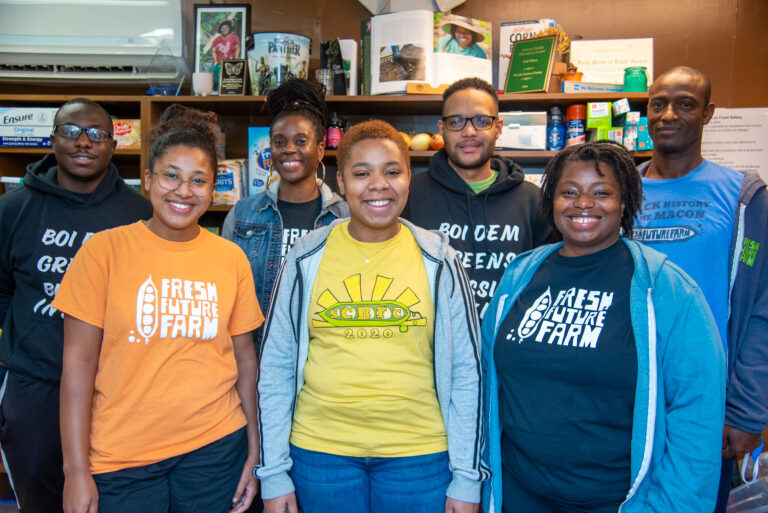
[724, 38]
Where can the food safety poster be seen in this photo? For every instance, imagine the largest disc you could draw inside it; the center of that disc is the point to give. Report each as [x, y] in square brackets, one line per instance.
[738, 138]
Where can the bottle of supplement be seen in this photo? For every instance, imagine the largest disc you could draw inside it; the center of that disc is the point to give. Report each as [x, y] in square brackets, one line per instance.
[334, 133]
[576, 124]
[556, 131]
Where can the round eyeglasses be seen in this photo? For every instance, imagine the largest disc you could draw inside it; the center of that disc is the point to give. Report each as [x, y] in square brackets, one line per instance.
[71, 131]
[480, 122]
[199, 186]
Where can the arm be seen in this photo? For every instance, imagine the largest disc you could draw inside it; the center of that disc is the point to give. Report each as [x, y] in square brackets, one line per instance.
[247, 372]
[82, 345]
[464, 426]
[277, 388]
[692, 370]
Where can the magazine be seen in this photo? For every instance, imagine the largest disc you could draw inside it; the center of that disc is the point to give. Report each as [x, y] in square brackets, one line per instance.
[422, 46]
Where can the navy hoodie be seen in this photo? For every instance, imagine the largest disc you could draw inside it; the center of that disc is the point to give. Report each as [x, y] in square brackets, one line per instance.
[487, 229]
[41, 228]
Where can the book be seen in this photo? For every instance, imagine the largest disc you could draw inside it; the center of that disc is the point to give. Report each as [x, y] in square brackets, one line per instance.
[512, 31]
[422, 46]
[365, 57]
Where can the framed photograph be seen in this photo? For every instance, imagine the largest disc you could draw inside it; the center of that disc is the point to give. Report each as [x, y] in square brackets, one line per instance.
[220, 32]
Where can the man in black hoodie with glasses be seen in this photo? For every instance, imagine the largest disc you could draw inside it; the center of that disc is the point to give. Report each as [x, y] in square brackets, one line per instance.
[67, 196]
[482, 202]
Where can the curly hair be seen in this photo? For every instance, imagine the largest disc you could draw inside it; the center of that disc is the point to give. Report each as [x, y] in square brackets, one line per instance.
[373, 129]
[185, 126]
[609, 153]
[471, 83]
[300, 97]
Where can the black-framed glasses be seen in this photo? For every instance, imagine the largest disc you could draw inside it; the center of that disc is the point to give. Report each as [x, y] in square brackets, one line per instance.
[199, 185]
[71, 131]
[480, 122]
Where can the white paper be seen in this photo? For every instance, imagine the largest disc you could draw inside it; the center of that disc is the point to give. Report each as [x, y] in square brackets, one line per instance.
[603, 60]
[738, 138]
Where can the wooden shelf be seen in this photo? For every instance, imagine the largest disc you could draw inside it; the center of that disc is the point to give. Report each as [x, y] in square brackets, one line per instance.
[43, 151]
[518, 155]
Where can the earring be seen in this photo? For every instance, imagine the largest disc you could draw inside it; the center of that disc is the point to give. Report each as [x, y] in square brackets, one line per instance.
[322, 179]
[269, 176]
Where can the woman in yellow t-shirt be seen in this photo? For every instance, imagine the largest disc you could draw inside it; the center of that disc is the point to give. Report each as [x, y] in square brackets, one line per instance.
[370, 373]
[158, 389]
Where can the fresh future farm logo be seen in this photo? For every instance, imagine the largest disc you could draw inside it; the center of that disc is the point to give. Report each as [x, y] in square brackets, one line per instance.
[376, 317]
[178, 309]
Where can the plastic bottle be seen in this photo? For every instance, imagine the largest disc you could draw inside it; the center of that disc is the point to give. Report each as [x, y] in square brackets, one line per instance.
[576, 124]
[556, 131]
[334, 133]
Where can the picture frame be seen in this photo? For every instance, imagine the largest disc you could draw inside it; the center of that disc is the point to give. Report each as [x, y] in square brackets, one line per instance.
[213, 42]
[530, 66]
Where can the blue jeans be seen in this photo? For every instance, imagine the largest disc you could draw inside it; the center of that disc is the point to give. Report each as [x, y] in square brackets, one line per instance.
[347, 484]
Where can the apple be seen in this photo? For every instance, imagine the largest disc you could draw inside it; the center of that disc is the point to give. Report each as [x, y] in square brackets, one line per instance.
[437, 142]
[420, 142]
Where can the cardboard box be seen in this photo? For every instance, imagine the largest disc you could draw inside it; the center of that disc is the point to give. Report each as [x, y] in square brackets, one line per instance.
[259, 159]
[523, 131]
[613, 133]
[620, 107]
[28, 127]
[127, 133]
[630, 137]
[571, 86]
[599, 115]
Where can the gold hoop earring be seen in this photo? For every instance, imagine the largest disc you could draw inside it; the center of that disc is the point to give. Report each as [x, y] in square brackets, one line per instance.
[322, 179]
[269, 176]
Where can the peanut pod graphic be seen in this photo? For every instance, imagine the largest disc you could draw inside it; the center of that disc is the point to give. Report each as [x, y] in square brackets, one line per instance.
[534, 314]
[146, 309]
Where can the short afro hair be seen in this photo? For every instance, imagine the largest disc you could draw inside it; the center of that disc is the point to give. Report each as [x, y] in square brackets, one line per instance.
[373, 129]
[471, 83]
[609, 153]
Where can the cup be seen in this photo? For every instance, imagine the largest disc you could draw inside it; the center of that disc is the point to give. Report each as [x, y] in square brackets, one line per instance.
[202, 83]
[325, 77]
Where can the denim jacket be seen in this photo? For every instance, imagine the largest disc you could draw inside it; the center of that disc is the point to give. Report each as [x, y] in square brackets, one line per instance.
[255, 225]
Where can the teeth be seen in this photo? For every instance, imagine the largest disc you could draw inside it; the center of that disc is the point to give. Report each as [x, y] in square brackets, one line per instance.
[378, 203]
[584, 220]
[180, 206]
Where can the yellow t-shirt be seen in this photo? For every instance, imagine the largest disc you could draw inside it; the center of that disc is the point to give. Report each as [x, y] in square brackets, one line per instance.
[165, 383]
[369, 381]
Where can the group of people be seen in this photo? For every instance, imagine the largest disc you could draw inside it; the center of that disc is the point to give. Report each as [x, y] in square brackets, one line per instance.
[430, 342]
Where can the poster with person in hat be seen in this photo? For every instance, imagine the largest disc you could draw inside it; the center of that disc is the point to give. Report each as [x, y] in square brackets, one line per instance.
[465, 36]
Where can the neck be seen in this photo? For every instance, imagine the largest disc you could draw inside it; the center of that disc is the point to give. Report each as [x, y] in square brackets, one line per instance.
[299, 192]
[184, 235]
[673, 165]
[475, 174]
[362, 233]
[81, 187]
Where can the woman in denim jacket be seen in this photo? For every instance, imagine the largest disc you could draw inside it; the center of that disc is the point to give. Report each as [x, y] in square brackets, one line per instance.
[266, 225]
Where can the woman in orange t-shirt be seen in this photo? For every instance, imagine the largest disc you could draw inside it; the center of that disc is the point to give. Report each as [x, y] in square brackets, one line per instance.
[158, 390]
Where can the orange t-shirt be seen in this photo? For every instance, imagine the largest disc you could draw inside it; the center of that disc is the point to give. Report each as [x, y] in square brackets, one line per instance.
[165, 383]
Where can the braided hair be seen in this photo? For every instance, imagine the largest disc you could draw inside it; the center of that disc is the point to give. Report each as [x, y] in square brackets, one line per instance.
[185, 126]
[300, 97]
[609, 153]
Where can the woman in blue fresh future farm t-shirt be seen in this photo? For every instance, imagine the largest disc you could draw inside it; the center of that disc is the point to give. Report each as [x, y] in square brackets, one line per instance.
[603, 368]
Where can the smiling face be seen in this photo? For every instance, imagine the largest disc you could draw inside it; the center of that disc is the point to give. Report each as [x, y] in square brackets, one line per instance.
[375, 181]
[470, 149]
[464, 37]
[295, 150]
[677, 113]
[587, 208]
[82, 163]
[177, 212]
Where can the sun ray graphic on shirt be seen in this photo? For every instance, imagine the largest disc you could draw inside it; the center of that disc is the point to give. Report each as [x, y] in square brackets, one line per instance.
[374, 312]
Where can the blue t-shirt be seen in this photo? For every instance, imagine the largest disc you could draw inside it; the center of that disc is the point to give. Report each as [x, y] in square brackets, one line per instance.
[691, 220]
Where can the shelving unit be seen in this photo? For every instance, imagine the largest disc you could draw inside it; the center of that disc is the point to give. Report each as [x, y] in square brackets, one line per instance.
[412, 113]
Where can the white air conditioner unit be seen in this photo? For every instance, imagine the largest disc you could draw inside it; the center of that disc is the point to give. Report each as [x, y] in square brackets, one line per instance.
[91, 40]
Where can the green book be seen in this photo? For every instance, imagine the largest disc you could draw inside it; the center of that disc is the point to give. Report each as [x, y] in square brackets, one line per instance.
[531, 65]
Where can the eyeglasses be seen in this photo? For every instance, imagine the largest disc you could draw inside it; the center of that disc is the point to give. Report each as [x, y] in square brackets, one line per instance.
[480, 122]
[71, 131]
[199, 186]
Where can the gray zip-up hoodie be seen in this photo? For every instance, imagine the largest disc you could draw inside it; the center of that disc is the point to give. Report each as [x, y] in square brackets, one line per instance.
[456, 365]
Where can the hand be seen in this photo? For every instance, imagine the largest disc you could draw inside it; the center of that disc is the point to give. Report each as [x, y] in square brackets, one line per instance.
[736, 441]
[80, 494]
[246, 490]
[284, 503]
[454, 506]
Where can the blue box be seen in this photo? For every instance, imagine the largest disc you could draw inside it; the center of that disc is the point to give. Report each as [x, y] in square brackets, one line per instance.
[259, 159]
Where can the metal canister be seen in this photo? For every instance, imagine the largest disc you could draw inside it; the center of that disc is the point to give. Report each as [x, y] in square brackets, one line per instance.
[576, 124]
